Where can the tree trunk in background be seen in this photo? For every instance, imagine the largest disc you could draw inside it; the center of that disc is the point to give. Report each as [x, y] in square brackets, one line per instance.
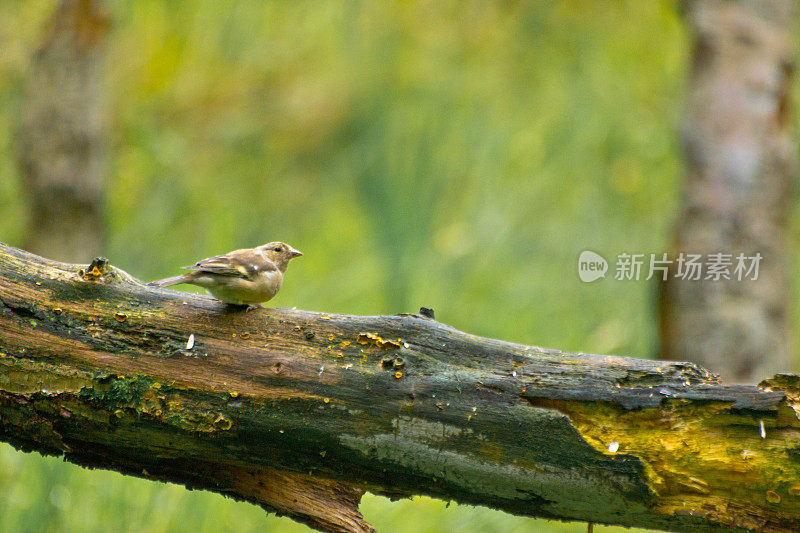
[61, 135]
[741, 169]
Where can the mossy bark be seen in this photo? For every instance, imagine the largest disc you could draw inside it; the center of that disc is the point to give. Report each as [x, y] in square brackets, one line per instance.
[301, 412]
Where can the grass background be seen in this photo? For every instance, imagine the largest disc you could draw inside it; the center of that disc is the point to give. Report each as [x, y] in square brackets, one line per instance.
[453, 154]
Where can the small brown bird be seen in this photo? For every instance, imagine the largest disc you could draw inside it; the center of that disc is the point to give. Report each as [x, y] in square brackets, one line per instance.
[243, 277]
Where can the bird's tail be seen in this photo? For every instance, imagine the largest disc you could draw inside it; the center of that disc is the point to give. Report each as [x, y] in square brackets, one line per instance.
[166, 282]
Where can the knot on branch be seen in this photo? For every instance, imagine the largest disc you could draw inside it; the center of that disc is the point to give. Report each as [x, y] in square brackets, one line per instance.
[96, 270]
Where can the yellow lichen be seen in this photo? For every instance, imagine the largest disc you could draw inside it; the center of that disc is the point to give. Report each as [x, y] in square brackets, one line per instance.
[174, 405]
[373, 338]
[722, 443]
[223, 423]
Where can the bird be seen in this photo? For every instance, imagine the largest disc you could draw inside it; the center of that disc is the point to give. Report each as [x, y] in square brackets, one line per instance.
[248, 276]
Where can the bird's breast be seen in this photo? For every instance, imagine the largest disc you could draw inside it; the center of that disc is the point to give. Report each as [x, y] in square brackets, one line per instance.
[243, 291]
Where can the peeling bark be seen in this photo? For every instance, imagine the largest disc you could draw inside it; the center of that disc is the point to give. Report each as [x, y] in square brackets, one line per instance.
[300, 412]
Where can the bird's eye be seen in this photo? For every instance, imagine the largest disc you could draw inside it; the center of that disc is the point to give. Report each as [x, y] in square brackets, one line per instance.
[277, 248]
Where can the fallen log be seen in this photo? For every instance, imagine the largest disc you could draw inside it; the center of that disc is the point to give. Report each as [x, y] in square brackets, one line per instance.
[301, 412]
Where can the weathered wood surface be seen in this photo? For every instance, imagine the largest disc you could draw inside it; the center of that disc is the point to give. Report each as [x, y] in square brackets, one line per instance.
[300, 411]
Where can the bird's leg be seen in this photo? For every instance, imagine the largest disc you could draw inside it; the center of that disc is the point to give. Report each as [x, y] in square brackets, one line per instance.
[237, 308]
[253, 306]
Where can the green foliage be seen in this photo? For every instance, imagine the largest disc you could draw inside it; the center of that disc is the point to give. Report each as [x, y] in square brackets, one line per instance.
[456, 155]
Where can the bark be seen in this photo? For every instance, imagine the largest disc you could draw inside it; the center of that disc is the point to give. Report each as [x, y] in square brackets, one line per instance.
[741, 169]
[62, 135]
[300, 412]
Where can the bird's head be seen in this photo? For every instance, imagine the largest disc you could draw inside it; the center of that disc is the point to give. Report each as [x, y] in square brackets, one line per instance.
[279, 253]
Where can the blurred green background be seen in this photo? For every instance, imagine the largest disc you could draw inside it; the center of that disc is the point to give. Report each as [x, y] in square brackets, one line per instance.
[452, 154]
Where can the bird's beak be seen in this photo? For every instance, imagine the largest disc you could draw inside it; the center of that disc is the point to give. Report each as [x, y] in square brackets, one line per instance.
[294, 253]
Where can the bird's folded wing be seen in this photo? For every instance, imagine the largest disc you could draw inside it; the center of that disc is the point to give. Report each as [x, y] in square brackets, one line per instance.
[243, 263]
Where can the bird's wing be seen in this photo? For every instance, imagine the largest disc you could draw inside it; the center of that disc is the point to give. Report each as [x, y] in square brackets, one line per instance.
[242, 263]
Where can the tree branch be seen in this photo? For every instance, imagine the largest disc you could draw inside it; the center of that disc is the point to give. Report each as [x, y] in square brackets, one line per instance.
[301, 412]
